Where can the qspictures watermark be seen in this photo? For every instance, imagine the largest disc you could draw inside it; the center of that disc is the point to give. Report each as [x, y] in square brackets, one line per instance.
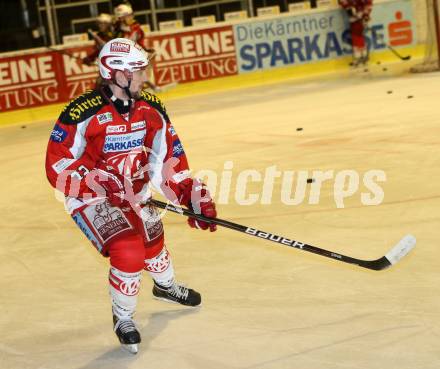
[243, 187]
[295, 187]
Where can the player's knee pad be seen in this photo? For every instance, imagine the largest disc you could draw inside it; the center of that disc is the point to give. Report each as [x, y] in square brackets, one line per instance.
[127, 254]
[159, 265]
[127, 284]
[124, 288]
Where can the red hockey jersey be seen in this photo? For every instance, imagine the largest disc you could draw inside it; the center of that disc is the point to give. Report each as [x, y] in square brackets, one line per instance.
[358, 9]
[132, 32]
[101, 37]
[90, 133]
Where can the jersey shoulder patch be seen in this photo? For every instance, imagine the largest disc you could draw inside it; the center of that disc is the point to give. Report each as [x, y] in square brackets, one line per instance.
[82, 107]
[155, 102]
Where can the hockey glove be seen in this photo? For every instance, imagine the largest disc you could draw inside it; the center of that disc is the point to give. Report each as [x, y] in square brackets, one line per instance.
[195, 196]
[87, 61]
[114, 186]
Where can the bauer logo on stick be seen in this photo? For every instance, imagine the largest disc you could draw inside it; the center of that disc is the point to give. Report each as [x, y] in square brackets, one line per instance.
[119, 47]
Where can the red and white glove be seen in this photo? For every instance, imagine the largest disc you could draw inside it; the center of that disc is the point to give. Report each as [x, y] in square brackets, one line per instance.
[195, 196]
[113, 184]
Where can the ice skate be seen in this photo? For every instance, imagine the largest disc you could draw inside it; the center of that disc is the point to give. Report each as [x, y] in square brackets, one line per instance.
[356, 62]
[177, 294]
[127, 333]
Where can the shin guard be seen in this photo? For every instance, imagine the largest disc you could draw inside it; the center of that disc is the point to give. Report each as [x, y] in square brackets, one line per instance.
[124, 289]
[160, 267]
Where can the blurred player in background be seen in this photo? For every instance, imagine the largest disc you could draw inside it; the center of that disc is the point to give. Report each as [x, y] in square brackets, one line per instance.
[105, 33]
[358, 12]
[126, 26]
[107, 146]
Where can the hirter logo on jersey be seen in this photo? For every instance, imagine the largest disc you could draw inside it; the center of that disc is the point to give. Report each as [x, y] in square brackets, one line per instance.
[119, 47]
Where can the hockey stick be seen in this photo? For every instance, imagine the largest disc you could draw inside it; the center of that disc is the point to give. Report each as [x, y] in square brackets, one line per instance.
[392, 257]
[97, 39]
[408, 57]
[393, 50]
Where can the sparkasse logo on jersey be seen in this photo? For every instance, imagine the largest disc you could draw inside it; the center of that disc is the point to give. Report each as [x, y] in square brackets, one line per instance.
[119, 47]
[124, 142]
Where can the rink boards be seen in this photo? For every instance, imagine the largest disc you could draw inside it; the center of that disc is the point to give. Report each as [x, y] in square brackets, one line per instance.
[251, 52]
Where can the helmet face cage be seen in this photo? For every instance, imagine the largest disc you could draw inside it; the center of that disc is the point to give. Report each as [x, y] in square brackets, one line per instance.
[121, 54]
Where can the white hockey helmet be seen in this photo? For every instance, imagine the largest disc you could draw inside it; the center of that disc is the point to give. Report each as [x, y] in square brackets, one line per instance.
[121, 54]
[104, 18]
[123, 10]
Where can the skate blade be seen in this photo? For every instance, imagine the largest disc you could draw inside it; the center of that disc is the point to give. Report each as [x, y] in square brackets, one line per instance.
[175, 302]
[132, 349]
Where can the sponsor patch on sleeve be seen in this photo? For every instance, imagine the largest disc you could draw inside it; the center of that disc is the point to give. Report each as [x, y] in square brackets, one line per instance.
[180, 176]
[177, 149]
[62, 164]
[172, 131]
[58, 134]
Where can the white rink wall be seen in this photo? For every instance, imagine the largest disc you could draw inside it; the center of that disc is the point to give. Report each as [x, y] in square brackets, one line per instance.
[312, 42]
[420, 11]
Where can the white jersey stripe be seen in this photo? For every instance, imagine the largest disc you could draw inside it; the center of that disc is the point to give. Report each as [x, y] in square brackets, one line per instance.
[157, 157]
[79, 143]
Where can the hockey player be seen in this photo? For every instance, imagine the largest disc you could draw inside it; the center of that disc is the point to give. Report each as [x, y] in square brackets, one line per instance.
[358, 12]
[127, 27]
[105, 33]
[106, 149]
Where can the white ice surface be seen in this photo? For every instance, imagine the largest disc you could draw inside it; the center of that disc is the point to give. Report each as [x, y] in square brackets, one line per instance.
[264, 306]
